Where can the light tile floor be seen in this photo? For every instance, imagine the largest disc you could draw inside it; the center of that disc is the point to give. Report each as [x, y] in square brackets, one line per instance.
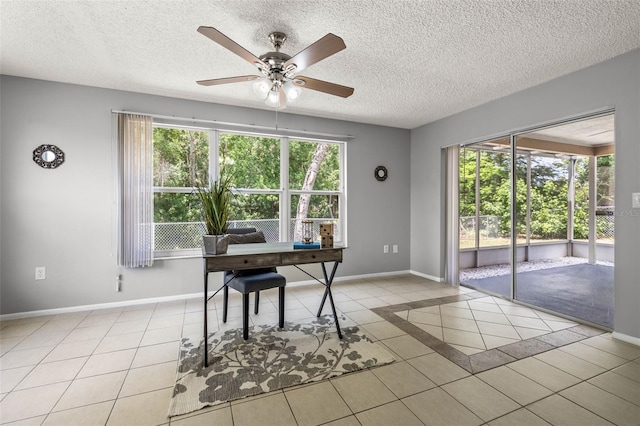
[117, 366]
[473, 326]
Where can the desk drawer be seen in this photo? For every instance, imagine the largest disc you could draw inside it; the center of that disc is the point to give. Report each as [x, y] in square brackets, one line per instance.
[311, 256]
[252, 261]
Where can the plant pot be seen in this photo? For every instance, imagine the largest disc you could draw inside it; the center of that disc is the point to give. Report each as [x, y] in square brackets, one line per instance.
[215, 244]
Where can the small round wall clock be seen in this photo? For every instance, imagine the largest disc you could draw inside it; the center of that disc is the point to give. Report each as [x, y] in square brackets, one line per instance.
[381, 173]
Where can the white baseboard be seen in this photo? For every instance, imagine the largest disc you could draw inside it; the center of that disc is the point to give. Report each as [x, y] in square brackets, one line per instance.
[429, 277]
[56, 311]
[71, 309]
[626, 338]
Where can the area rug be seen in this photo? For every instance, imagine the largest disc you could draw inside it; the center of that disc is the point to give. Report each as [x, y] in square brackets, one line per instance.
[270, 359]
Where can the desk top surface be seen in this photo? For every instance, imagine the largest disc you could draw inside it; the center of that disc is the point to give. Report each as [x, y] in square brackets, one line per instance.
[265, 248]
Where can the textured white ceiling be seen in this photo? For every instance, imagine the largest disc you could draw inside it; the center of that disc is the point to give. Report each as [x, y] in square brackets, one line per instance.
[411, 62]
[597, 131]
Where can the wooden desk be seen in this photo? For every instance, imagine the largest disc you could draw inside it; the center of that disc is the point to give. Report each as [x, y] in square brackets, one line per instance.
[264, 255]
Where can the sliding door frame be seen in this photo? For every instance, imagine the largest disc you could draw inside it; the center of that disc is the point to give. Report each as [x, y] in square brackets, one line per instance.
[453, 216]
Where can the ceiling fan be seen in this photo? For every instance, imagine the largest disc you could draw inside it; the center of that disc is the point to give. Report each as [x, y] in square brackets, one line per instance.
[279, 82]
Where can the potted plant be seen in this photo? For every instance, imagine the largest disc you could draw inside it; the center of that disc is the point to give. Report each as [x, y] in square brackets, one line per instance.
[215, 203]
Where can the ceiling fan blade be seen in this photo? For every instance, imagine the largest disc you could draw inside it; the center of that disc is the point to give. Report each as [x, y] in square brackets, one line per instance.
[227, 43]
[321, 49]
[238, 79]
[323, 86]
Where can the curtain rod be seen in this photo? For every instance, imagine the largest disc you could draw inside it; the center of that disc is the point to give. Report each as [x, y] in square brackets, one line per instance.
[248, 126]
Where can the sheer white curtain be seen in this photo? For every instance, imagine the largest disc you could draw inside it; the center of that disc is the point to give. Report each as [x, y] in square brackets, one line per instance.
[135, 161]
[452, 215]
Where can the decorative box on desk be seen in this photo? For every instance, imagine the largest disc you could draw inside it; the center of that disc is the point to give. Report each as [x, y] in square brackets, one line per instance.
[326, 235]
[301, 246]
[326, 229]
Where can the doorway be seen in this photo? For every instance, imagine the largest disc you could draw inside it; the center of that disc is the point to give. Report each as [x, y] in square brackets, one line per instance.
[536, 218]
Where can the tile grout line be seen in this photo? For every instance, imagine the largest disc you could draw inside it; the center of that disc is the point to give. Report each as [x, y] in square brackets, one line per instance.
[388, 313]
[43, 363]
[411, 306]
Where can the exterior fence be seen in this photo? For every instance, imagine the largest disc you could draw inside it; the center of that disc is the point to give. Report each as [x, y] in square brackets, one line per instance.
[488, 226]
[489, 229]
[188, 235]
[605, 225]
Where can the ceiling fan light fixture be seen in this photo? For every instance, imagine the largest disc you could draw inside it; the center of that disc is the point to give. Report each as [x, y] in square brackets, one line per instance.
[273, 98]
[262, 87]
[291, 91]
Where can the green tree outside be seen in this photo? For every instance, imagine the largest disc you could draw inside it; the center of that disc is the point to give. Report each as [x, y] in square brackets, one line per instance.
[549, 196]
[181, 160]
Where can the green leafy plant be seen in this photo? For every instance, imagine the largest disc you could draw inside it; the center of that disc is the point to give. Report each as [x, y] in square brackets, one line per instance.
[215, 201]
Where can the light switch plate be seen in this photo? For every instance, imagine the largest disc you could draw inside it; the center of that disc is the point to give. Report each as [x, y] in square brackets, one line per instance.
[635, 203]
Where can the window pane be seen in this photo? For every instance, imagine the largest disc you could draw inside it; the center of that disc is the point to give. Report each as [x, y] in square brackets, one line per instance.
[320, 209]
[314, 166]
[177, 221]
[253, 162]
[467, 202]
[495, 199]
[549, 192]
[261, 211]
[176, 207]
[180, 157]
[605, 219]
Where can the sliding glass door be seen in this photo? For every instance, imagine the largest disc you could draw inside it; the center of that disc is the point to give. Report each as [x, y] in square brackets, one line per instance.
[536, 216]
[485, 216]
[568, 261]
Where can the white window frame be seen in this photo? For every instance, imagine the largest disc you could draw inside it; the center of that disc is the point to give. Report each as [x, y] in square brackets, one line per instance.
[341, 192]
[284, 192]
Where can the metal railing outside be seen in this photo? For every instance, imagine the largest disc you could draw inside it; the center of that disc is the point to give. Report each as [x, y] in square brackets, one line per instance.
[489, 228]
[188, 235]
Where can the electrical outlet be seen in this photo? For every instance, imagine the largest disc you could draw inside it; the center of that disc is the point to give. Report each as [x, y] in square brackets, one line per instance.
[635, 203]
[40, 273]
[385, 249]
[395, 248]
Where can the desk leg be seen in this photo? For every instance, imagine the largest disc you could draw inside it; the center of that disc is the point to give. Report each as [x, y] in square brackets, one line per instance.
[324, 299]
[327, 292]
[206, 293]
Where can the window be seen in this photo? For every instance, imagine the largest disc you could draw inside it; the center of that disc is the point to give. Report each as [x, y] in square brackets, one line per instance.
[495, 213]
[180, 160]
[605, 219]
[253, 162]
[549, 198]
[314, 186]
[277, 183]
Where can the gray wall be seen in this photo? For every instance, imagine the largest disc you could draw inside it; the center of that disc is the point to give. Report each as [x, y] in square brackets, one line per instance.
[64, 219]
[614, 83]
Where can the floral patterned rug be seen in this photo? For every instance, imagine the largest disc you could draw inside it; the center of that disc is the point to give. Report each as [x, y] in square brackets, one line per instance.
[271, 359]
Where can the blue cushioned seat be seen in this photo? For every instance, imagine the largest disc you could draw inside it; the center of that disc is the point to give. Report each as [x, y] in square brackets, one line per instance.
[251, 280]
[251, 283]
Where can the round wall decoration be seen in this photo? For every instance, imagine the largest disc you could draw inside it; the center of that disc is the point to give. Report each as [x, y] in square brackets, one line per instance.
[48, 156]
[381, 173]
